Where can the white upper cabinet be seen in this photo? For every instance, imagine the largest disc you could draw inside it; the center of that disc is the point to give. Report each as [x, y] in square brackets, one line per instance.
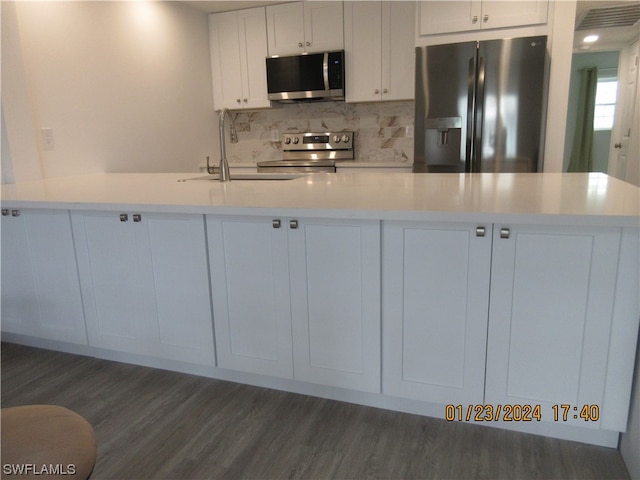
[304, 27]
[238, 51]
[462, 16]
[379, 46]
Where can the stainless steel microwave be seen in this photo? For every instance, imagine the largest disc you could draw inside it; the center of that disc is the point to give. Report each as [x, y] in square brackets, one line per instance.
[315, 76]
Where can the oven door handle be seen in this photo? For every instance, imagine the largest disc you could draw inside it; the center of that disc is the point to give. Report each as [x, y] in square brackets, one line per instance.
[325, 70]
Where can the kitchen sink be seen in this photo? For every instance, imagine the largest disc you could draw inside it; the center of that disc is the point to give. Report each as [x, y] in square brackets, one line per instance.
[249, 176]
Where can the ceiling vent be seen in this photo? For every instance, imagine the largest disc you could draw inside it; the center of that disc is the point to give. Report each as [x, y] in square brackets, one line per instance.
[607, 17]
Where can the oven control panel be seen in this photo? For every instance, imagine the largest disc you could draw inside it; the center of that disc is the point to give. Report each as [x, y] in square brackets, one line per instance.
[317, 141]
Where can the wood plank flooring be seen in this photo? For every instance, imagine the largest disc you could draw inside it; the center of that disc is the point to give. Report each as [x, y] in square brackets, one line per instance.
[154, 424]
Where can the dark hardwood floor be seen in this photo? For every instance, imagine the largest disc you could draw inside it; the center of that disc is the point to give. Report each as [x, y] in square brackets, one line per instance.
[154, 424]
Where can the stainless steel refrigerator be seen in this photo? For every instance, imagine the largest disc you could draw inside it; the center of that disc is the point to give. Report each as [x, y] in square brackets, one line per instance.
[479, 106]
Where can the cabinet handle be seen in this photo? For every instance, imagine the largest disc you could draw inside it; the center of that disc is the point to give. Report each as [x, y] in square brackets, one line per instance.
[485, 19]
[376, 91]
[15, 213]
[475, 19]
[504, 233]
[276, 223]
[300, 44]
[308, 44]
[480, 231]
[137, 217]
[124, 217]
[238, 100]
[617, 145]
[245, 100]
[293, 224]
[384, 90]
[5, 212]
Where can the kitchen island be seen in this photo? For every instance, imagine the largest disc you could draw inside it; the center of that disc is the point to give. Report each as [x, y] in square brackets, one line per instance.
[507, 300]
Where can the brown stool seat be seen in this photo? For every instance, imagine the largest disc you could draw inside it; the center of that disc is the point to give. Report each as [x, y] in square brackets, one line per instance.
[46, 441]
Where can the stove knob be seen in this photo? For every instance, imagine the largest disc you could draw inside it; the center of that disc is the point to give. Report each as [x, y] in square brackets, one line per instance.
[296, 140]
[336, 138]
[345, 138]
[287, 140]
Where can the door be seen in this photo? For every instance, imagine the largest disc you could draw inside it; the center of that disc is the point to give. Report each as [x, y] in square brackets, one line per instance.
[552, 294]
[435, 303]
[40, 286]
[145, 284]
[501, 14]
[285, 29]
[323, 26]
[448, 17]
[250, 290]
[510, 100]
[335, 302]
[363, 51]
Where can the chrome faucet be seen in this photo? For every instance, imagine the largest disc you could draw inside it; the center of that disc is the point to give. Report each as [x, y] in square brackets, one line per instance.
[224, 164]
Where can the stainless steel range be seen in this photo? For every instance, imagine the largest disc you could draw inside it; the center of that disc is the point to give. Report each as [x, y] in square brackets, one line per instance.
[311, 152]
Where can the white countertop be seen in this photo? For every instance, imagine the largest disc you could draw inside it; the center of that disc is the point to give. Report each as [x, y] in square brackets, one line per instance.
[549, 198]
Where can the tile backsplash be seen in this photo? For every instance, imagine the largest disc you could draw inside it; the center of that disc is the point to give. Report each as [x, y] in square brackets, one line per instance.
[383, 131]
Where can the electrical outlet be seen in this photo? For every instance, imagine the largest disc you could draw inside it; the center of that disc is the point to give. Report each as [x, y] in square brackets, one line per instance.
[275, 135]
[46, 135]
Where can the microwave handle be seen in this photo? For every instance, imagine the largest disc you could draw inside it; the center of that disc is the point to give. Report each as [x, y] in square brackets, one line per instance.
[325, 70]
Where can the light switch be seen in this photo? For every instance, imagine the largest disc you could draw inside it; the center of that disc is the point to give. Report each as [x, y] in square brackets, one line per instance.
[46, 135]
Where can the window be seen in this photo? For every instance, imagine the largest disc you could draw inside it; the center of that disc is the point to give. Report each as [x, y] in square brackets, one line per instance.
[605, 109]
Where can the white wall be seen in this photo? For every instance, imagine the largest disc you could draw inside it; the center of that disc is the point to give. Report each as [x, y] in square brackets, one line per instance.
[125, 86]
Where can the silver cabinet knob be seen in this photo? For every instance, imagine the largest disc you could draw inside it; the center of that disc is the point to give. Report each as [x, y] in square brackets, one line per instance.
[384, 90]
[376, 91]
[124, 217]
[5, 212]
[504, 233]
[308, 44]
[475, 19]
[276, 223]
[15, 213]
[485, 19]
[245, 100]
[293, 224]
[617, 145]
[480, 231]
[137, 217]
[300, 44]
[238, 100]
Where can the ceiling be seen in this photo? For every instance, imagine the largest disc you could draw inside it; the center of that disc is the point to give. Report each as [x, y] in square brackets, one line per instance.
[610, 38]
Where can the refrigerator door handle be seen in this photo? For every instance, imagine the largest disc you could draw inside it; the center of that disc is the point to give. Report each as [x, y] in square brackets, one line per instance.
[479, 117]
[470, 115]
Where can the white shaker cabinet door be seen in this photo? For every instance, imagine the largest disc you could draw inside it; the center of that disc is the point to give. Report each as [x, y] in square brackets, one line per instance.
[40, 287]
[250, 292]
[238, 42]
[435, 301]
[323, 26]
[145, 284]
[335, 302]
[552, 295]
[285, 29]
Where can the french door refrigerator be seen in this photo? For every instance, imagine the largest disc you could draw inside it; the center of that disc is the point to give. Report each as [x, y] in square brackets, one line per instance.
[479, 106]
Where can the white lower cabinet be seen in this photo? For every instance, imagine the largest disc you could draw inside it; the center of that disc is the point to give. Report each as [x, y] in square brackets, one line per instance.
[145, 284]
[542, 300]
[298, 298]
[435, 302]
[552, 299]
[40, 288]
